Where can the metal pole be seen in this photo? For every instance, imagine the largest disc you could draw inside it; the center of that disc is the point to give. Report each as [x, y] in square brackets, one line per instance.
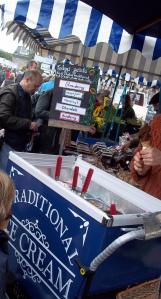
[110, 107]
[122, 100]
[115, 115]
[116, 85]
[118, 128]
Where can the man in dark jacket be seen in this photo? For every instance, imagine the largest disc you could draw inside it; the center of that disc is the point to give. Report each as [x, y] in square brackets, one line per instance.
[49, 134]
[16, 114]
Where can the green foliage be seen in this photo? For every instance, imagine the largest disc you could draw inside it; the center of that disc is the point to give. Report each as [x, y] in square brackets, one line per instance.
[6, 55]
[31, 55]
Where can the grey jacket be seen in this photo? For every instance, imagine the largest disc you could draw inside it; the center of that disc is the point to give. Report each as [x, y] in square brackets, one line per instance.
[49, 134]
[43, 106]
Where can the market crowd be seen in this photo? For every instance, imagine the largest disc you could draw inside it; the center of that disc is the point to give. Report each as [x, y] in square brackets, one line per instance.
[25, 101]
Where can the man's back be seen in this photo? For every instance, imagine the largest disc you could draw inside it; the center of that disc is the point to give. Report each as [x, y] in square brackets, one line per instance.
[15, 115]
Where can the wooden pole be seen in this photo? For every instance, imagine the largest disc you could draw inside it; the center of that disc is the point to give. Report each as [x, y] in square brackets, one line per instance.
[62, 140]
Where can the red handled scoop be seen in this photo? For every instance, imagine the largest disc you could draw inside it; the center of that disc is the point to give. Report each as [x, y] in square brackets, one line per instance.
[87, 181]
[75, 177]
[58, 168]
[113, 209]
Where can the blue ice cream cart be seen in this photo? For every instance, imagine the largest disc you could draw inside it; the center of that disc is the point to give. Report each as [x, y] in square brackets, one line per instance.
[62, 245]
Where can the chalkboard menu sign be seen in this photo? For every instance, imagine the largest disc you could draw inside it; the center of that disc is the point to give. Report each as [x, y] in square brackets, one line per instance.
[73, 96]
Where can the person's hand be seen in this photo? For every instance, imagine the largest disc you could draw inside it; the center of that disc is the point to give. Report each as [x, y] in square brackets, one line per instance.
[34, 126]
[125, 146]
[151, 156]
[139, 166]
[92, 129]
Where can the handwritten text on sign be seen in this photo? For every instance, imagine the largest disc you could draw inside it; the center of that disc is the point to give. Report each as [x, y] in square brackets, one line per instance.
[70, 117]
[71, 109]
[74, 85]
[71, 101]
[74, 93]
[72, 72]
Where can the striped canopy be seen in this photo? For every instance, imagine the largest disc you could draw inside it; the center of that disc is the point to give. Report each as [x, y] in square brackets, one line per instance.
[39, 22]
[140, 80]
[154, 83]
[127, 77]
[112, 73]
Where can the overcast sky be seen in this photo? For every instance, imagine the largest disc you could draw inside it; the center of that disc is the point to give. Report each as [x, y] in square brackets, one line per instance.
[7, 43]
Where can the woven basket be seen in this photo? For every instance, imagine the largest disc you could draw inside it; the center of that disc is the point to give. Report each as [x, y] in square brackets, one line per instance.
[146, 290]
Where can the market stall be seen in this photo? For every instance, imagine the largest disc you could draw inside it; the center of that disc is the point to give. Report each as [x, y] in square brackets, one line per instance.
[62, 222]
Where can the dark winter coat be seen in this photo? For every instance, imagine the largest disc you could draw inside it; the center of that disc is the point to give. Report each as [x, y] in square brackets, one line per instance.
[129, 113]
[42, 109]
[3, 263]
[49, 134]
[15, 116]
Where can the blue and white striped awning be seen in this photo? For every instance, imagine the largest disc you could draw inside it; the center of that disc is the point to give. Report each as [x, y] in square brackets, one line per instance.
[41, 21]
[112, 73]
[154, 83]
[140, 80]
[127, 77]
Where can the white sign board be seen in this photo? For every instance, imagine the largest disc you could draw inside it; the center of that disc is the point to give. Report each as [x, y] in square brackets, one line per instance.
[45, 67]
[41, 59]
[140, 111]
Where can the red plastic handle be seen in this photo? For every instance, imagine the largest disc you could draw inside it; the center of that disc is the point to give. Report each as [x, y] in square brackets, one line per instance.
[113, 209]
[75, 177]
[58, 168]
[87, 180]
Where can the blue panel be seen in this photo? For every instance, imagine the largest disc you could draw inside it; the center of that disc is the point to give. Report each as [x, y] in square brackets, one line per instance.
[2, 7]
[114, 73]
[138, 42]
[45, 14]
[21, 11]
[157, 49]
[149, 83]
[115, 36]
[93, 28]
[68, 18]
[141, 79]
[158, 83]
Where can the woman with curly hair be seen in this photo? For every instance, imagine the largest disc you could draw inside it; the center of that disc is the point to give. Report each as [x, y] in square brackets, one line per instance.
[7, 192]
